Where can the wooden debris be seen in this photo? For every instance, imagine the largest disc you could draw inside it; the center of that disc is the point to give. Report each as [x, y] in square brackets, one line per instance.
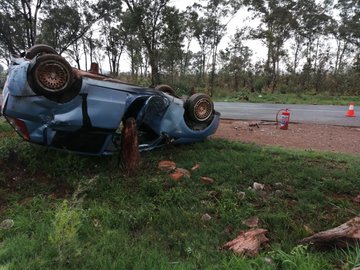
[206, 217]
[185, 172]
[195, 167]
[341, 236]
[179, 173]
[248, 243]
[357, 199]
[176, 176]
[7, 224]
[130, 154]
[308, 229]
[166, 166]
[258, 186]
[207, 180]
[252, 222]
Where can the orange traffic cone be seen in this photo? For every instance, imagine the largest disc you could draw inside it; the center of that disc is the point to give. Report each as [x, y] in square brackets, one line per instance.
[351, 111]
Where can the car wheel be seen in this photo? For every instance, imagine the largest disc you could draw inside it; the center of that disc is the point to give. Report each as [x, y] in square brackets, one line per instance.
[166, 89]
[51, 74]
[199, 107]
[38, 50]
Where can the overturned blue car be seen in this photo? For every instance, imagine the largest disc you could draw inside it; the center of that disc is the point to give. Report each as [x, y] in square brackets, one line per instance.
[52, 104]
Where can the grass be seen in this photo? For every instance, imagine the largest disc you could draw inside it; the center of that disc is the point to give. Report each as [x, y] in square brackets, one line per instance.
[288, 98]
[77, 212]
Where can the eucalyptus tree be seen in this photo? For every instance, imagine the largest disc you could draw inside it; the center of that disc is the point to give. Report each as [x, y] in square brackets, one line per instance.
[350, 25]
[148, 17]
[18, 23]
[310, 31]
[210, 27]
[189, 24]
[277, 20]
[65, 25]
[113, 33]
[172, 37]
[350, 18]
[237, 59]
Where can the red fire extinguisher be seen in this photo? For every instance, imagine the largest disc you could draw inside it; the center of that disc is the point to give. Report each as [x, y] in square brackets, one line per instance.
[284, 119]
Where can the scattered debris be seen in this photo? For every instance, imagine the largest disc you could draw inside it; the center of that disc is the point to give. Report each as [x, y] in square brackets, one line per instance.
[248, 243]
[207, 180]
[206, 217]
[308, 229]
[357, 199]
[96, 223]
[176, 176]
[7, 224]
[214, 194]
[229, 229]
[254, 125]
[341, 236]
[195, 167]
[269, 260]
[258, 186]
[166, 166]
[241, 195]
[179, 173]
[252, 222]
[185, 172]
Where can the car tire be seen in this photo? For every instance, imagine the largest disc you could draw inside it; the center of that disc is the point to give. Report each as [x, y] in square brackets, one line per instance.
[51, 75]
[39, 49]
[199, 107]
[166, 89]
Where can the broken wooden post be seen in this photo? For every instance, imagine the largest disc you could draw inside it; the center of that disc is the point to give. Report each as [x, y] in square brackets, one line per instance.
[341, 236]
[130, 155]
[248, 243]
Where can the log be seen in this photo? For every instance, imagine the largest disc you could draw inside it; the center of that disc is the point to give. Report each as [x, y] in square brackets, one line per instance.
[248, 242]
[130, 155]
[342, 236]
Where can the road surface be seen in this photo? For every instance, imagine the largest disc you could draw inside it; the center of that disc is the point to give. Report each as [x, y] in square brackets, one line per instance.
[319, 114]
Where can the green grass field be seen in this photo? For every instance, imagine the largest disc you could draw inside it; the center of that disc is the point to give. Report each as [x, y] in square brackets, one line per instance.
[76, 212]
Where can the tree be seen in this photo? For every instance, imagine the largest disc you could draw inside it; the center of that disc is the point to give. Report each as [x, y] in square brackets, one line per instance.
[276, 22]
[148, 17]
[65, 23]
[113, 33]
[348, 28]
[237, 59]
[210, 28]
[18, 23]
[172, 38]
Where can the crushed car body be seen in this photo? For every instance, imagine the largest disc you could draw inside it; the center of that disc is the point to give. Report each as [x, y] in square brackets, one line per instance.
[52, 104]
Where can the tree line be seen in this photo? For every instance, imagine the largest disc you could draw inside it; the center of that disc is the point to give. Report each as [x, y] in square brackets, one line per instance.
[310, 45]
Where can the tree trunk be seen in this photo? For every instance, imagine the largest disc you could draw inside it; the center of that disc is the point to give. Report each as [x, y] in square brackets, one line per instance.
[341, 236]
[130, 155]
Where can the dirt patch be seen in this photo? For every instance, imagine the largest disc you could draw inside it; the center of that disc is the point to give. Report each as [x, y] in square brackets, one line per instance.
[298, 136]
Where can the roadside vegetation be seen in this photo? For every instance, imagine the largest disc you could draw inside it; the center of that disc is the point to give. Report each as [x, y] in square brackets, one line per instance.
[286, 98]
[67, 211]
[308, 46]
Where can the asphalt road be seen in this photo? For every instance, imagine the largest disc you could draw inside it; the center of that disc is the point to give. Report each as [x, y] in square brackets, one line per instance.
[319, 114]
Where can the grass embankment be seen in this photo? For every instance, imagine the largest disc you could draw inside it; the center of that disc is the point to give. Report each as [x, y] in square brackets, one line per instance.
[301, 98]
[75, 212]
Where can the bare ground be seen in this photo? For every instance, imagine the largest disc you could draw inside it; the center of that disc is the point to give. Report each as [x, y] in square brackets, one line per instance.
[299, 136]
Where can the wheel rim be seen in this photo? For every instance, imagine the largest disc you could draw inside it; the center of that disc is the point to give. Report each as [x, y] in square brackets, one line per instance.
[52, 76]
[203, 109]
